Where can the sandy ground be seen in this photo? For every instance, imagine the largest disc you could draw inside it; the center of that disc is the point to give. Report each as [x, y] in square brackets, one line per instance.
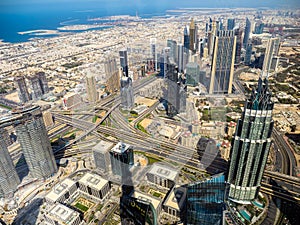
[13, 96]
[145, 101]
[249, 76]
[146, 122]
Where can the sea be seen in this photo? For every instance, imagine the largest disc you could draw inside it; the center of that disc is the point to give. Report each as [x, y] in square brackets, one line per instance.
[27, 15]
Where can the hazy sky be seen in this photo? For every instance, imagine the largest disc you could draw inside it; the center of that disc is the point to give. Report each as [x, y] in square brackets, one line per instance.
[172, 3]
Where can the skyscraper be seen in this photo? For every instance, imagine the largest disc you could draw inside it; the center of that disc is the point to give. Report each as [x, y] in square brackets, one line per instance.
[127, 96]
[112, 75]
[223, 63]
[122, 159]
[124, 61]
[22, 89]
[36, 89]
[153, 53]
[230, 24]
[180, 57]
[9, 179]
[90, 83]
[166, 61]
[43, 82]
[172, 90]
[205, 201]
[35, 144]
[248, 54]
[251, 145]
[247, 32]
[173, 50]
[186, 39]
[192, 74]
[272, 50]
[193, 36]
[238, 49]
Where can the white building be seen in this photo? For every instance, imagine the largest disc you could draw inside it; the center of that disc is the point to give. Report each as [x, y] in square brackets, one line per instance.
[61, 214]
[61, 191]
[94, 185]
[162, 175]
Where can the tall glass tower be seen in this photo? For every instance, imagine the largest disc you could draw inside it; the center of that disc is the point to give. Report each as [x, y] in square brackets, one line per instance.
[9, 179]
[35, 143]
[124, 61]
[205, 201]
[251, 145]
[223, 63]
[247, 32]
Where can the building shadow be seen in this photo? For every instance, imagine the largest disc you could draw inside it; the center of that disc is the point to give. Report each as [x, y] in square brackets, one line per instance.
[22, 167]
[287, 208]
[210, 157]
[29, 213]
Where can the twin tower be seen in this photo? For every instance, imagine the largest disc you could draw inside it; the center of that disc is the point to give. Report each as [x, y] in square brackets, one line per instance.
[35, 144]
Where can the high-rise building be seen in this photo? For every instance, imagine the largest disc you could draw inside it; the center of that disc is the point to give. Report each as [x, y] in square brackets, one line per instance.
[205, 201]
[138, 210]
[36, 89]
[22, 89]
[127, 95]
[35, 144]
[43, 82]
[6, 137]
[247, 32]
[172, 90]
[259, 27]
[122, 159]
[238, 49]
[272, 50]
[251, 145]
[230, 24]
[9, 179]
[124, 61]
[248, 54]
[112, 75]
[186, 39]
[90, 83]
[193, 36]
[180, 58]
[173, 50]
[166, 54]
[223, 63]
[153, 53]
[101, 155]
[192, 74]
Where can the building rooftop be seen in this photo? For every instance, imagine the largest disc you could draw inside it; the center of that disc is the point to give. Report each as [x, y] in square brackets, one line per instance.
[120, 147]
[63, 214]
[103, 146]
[163, 171]
[93, 180]
[60, 189]
[176, 198]
[146, 198]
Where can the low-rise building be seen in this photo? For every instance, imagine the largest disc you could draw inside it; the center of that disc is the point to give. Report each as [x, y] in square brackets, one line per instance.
[162, 175]
[94, 185]
[61, 214]
[174, 204]
[156, 203]
[61, 191]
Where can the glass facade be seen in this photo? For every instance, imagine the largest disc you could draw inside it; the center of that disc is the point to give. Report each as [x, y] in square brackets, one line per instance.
[251, 145]
[136, 211]
[205, 201]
